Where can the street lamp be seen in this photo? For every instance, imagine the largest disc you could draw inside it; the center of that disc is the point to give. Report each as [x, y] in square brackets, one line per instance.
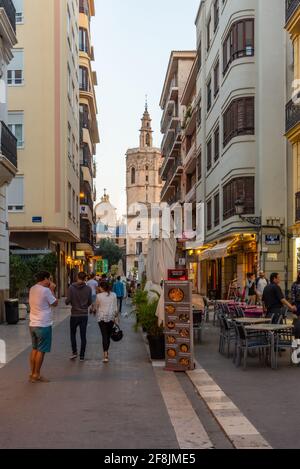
[239, 210]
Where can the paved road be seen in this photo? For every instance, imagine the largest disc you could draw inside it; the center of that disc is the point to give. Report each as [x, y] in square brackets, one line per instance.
[86, 405]
[268, 398]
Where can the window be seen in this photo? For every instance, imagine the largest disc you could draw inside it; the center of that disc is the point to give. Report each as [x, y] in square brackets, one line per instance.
[208, 95]
[69, 143]
[84, 40]
[19, 10]
[69, 201]
[73, 206]
[84, 84]
[216, 209]
[138, 226]
[208, 216]
[239, 42]
[209, 155]
[15, 68]
[216, 78]
[217, 144]
[16, 126]
[199, 166]
[199, 56]
[15, 194]
[238, 119]
[199, 112]
[216, 14]
[238, 188]
[132, 175]
[147, 179]
[208, 33]
[139, 248]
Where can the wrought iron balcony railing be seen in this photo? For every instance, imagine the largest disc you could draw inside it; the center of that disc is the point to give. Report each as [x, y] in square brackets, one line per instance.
[8, 144]
[292, 115]
[290, 8]
[10, 11]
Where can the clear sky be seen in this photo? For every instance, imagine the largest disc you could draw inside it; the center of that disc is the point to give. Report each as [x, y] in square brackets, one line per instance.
[133, 40]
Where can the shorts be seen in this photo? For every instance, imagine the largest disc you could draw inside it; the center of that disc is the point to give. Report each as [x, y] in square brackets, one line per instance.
[41, 338]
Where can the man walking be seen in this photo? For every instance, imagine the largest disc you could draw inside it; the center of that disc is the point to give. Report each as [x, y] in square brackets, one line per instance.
[119, 290]
[274, 300]
[41, 299]
[80, 298]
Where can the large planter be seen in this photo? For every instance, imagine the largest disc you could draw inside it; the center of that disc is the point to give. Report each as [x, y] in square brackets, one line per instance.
[157, 346]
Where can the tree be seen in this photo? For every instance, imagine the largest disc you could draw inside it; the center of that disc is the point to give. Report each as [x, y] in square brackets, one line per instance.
[19, 276]
[107, 249]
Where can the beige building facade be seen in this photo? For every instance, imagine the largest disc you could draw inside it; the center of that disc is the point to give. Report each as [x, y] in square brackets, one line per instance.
[8, 144]
[143, 186]
[241, 148]
[44, 205]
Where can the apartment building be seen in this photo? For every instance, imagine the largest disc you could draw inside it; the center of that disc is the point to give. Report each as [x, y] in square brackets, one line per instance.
[43, 78]
[292, 27]
[8, 143]
[241, 149]
[89, 134]
[179, 68]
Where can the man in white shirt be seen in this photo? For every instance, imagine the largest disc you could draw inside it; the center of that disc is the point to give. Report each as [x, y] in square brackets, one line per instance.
[41, 299]
[261, 283]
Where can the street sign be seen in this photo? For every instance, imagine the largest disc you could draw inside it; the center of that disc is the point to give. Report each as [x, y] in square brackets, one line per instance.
[272, 239]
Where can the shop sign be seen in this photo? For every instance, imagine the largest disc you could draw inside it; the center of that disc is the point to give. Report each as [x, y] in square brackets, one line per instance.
[272, 239]
[272, 256]
[178, 274]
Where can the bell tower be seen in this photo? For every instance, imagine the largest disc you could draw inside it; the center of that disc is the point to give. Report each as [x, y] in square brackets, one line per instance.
[146, 132]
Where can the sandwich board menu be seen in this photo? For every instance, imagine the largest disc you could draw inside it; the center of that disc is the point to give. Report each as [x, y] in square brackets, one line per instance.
[178, 325]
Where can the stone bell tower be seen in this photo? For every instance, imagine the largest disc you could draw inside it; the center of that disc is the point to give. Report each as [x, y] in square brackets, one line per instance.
[143, 185]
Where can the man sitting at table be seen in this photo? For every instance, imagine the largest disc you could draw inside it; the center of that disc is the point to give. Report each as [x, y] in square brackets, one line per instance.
[273, 299]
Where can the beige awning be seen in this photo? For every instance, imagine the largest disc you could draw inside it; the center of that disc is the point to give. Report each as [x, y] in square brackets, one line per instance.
[216, 252]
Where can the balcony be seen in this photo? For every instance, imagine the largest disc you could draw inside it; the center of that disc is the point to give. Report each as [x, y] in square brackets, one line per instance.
[191, 155]
[292, 115]
[175, 172]
[8, 155]
[84, 7]
[290, 8]
[86, 158]
[10, 12]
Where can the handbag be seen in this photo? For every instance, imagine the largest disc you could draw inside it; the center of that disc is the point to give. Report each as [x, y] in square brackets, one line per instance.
[116, 334]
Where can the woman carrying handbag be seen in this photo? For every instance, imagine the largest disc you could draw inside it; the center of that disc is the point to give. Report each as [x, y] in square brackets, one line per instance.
[107, 314]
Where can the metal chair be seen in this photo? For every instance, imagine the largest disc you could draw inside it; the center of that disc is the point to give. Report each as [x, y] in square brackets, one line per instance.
[198, 324]
[227, 335]
[250, 341]
[283, 339]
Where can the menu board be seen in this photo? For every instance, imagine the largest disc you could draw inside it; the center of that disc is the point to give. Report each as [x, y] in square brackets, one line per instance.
[178, 325]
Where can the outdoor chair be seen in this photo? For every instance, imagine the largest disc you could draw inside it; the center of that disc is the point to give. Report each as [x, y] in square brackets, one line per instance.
[283, 339]
[227, 335]
[239, 312]
[217, 311]
[198, 325]
[250, 341]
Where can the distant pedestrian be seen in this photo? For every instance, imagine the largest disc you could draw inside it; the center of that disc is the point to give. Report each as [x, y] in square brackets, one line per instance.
[107, 312]
[41, 299]
[260, 284]
[274, 300]
[119, 290]
[250, 289]
[80, 297]
[93, 284]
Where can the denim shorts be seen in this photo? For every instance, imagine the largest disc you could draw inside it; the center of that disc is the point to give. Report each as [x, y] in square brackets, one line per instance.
[41, 338]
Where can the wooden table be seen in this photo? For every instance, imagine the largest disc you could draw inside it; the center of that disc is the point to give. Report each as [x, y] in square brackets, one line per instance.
[272, 329]
[249, 321]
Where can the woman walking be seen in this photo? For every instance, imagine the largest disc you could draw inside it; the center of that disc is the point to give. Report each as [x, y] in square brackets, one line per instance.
[250, 289]
[107, 312]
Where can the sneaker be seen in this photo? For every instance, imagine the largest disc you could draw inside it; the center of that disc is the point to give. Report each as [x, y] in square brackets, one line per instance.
[105, 360]
[82, 359]
[74, 356]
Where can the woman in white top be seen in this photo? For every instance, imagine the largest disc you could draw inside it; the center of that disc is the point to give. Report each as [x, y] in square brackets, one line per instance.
[107, 312]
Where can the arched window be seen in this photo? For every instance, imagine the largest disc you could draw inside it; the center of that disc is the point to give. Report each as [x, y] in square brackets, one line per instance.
[132, 175]
[148, 140]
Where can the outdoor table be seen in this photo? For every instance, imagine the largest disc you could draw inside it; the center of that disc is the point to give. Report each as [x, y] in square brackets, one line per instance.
[272, 329]
[249, 321]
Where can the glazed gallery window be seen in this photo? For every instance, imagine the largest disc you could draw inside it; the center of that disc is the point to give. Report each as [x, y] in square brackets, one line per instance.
[18, 4]
[15, 69]
[15, 194]
[239, 42]
[84, 40]
[238, 119]
[239, 189]
[84, 83]
[16, 126]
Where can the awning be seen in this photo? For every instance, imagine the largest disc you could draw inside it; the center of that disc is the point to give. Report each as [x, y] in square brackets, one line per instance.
[216, 252]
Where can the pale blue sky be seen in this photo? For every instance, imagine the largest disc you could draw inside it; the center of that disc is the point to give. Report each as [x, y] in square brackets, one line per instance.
[133, 40]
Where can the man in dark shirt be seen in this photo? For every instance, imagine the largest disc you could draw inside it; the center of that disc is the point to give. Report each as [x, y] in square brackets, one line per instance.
[274, 300]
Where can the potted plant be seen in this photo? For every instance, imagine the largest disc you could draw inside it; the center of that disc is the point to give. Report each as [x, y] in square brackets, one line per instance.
[147, 319]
